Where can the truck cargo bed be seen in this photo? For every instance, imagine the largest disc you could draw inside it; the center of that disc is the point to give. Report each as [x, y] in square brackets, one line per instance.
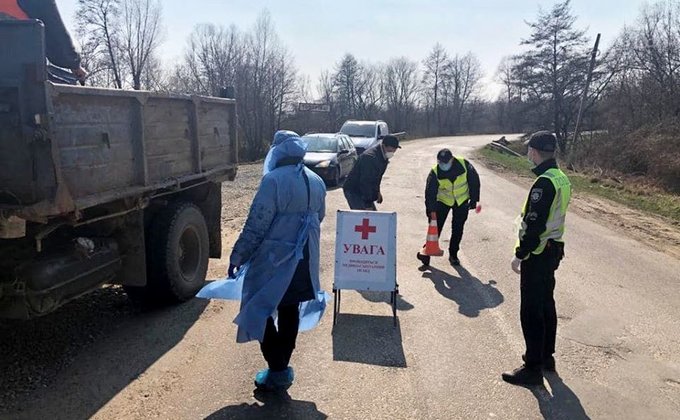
[65, 148]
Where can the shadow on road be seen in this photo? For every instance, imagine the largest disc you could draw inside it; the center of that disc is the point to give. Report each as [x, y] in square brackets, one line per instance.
[71, 363]
[274, 406]
[384, 297]
[471, 295]
[368, 339]
[561, 404]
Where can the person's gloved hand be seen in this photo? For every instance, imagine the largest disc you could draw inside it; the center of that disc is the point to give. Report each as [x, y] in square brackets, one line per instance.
[516, 265]
[232, 271]
[428, 214]
[380, 198]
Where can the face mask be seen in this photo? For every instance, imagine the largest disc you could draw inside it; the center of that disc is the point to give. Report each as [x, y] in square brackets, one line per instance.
[445, 166]
[389, 155]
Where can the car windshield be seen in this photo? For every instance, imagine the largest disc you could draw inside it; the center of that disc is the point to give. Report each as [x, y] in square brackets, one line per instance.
[321, 144]
[358, 130]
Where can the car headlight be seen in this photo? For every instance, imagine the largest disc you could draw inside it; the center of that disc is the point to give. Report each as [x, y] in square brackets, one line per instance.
[324, 164]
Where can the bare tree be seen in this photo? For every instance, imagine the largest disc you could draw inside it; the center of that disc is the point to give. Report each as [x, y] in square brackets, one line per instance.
[433, 75]
[400, 90]
[141, 33]
[369, 92]
[463, 74]
[326, 94]
[283, 84]
[154, 77]
[653, 47]
[99, 29]
[213, 57]
[266, 84]
[325, 87]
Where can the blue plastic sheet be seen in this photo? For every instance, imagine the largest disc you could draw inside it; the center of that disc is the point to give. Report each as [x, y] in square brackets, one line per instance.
[225, 289]
[311, 311]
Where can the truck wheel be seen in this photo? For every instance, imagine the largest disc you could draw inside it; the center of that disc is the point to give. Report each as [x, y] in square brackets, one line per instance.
[177, 252]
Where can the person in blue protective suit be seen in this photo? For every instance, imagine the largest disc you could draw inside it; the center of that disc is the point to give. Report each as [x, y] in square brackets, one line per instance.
[279, 249]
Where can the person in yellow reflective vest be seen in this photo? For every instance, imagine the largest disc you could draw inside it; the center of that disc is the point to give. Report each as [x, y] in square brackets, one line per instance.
[538, 252]
[452, 186]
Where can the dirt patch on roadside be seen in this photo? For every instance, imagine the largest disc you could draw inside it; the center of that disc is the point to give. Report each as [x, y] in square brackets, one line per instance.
[657, 232]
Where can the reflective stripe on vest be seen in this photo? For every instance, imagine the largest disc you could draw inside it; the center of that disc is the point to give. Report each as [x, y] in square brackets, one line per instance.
[554, 226]
[11, 8]
[456, 192]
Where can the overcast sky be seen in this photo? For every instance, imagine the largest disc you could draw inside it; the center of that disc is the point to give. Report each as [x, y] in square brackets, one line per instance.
[318, 33]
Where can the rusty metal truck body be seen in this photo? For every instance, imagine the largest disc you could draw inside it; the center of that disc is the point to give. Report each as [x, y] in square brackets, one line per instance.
[104, 186]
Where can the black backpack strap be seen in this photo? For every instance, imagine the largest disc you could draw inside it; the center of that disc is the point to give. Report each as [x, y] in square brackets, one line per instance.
[309, 192]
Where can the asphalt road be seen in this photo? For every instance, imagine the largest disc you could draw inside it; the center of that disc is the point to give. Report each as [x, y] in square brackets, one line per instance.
[617, 350]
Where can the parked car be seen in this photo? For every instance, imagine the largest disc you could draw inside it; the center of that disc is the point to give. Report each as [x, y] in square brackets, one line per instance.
[365, 134]
[331, 156]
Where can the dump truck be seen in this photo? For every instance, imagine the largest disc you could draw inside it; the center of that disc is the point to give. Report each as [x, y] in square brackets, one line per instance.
[104, 186]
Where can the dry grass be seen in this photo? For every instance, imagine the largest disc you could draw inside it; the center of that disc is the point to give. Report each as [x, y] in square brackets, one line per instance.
[633, 191]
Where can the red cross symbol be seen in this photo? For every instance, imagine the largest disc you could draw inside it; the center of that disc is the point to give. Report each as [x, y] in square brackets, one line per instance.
[365, 229]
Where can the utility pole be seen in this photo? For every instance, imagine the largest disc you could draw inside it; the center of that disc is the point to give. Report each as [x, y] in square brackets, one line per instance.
[593, 57]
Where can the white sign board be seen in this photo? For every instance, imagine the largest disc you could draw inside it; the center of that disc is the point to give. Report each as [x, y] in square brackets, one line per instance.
[310, 107]
[366, 251]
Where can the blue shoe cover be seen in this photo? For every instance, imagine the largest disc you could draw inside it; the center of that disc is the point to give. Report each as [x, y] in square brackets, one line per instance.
[273, 381]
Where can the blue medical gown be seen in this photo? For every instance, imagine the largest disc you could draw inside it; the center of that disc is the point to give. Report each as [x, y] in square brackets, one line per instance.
[271, 244]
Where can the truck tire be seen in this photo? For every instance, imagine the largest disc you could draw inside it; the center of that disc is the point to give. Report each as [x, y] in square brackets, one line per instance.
[177, 253]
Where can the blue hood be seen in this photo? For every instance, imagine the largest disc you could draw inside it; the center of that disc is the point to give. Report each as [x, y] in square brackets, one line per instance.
[282, 135]
[281, 148]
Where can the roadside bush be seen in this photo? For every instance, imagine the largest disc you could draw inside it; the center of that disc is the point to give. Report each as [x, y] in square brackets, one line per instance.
[652, 152]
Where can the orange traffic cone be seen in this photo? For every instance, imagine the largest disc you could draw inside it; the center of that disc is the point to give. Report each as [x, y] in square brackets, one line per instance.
[431, 247]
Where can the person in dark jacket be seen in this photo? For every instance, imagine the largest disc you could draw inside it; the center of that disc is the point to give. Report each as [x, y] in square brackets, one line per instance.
[59, 47]
[362, 187]
[452, 186]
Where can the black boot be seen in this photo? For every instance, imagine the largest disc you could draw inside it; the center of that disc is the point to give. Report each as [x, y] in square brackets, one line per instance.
[425, 259]
[524, 376]
[453, 259]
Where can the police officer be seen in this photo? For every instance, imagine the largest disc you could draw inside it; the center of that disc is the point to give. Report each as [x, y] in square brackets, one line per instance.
[537, 255]
[452, 186]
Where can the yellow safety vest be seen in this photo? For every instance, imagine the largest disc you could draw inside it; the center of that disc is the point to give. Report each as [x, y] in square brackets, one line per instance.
[456, 192]
[554, 226]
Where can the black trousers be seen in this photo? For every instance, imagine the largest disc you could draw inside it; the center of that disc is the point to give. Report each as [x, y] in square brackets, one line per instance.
[278, 345]
[459, 215]
[355, 201]
[537, 309]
